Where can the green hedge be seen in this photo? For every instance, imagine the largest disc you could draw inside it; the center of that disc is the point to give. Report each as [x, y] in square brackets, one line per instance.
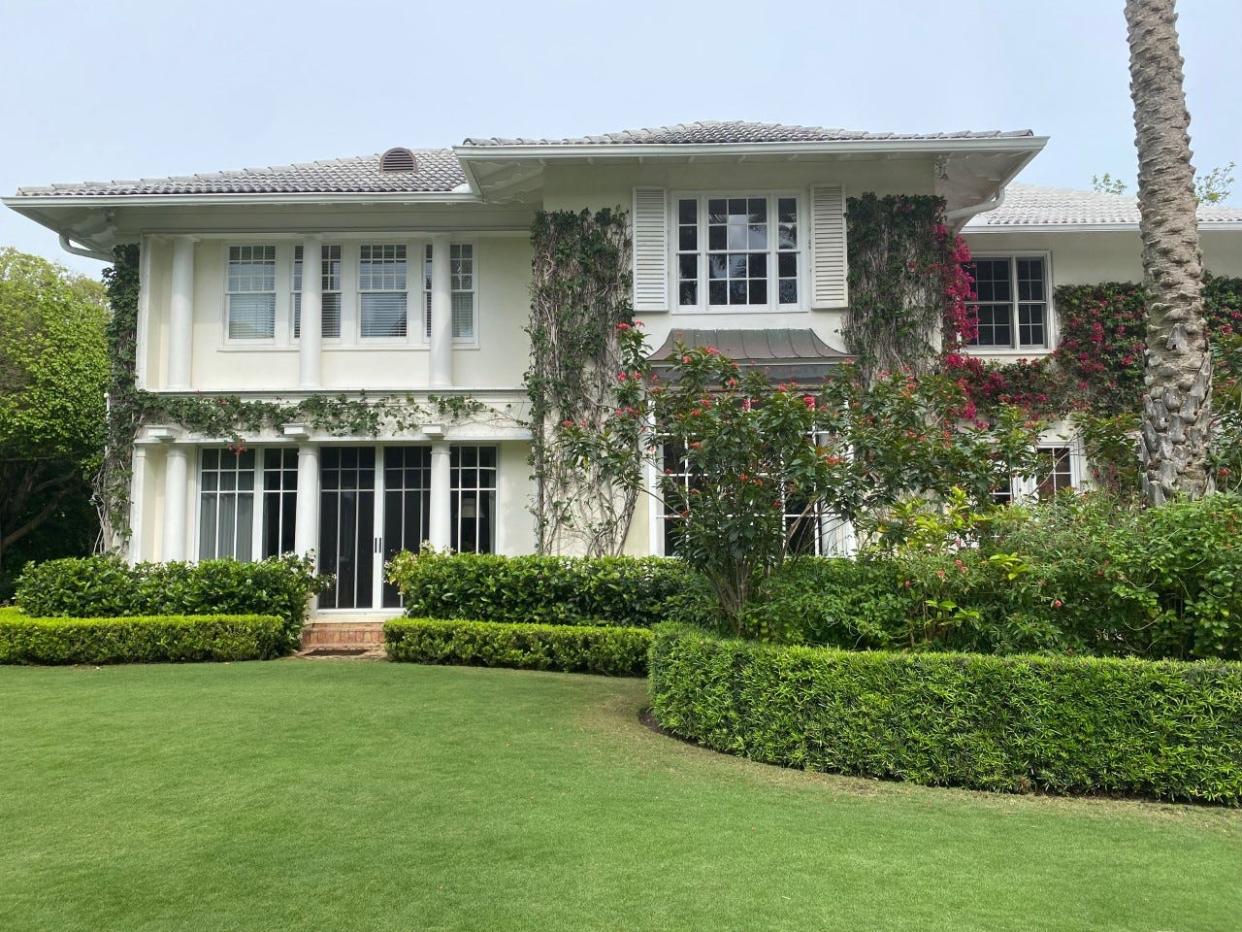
[625, 591]
[1169, 729]
[105, 587]
[164, 639]
[611, 651]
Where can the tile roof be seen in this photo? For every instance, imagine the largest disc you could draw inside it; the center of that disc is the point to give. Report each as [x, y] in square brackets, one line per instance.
[1032, 205]
[437, 171]
[726, 132]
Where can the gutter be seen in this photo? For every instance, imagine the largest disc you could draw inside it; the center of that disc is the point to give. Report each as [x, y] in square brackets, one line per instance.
[67, 245]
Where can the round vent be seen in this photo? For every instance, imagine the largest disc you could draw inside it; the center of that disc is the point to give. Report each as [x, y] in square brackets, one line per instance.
[398, 159]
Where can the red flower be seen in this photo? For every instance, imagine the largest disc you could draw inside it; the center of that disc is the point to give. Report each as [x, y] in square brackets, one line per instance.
[622, 327]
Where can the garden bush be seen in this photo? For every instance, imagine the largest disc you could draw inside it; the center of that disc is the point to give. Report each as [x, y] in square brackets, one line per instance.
[1083, 575]
[105, 587]
[168, 639]
[612, 651]
[1168, 729]
[625, 591]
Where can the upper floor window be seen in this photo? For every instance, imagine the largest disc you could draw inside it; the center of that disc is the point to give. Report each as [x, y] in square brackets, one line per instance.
[737, 253]
[461, 273]
[382, 288]
[331, 295]
[252, 292]
[1012, 302]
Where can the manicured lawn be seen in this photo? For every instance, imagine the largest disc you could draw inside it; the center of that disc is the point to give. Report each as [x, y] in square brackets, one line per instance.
[342, 794]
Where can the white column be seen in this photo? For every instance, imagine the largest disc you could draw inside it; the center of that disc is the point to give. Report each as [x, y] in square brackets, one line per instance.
[441, 517]
[306, 527]
[312, 313]
[137, 498]
[441, 343]
[176, 465]
[181, 314]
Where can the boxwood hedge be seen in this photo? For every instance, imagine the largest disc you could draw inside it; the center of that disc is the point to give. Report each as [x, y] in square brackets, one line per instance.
[1170, 729]
[611, 651]
[626, 591]
[163, 639]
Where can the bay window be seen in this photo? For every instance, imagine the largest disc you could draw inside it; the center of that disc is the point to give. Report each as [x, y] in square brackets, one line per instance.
[737, 253]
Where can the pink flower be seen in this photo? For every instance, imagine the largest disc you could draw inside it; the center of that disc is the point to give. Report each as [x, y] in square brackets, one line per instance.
[622, 327]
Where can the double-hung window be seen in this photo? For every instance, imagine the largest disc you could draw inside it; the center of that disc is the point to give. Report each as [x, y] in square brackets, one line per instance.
[737, 253]
[331, 300]
[1012, 302]
[382, 289]
[252, 292]
[1054, 474]
[461, 273]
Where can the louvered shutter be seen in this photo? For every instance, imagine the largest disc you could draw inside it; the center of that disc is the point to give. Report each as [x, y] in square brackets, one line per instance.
[828, 256]
[650, 249]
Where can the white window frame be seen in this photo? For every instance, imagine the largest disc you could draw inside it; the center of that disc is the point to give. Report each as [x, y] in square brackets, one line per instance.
[773, 306]
[472, 340]
[1025, 489]
[279, 260]
[412, 267]
[1050, 317]
[256, 529]
[295, 293]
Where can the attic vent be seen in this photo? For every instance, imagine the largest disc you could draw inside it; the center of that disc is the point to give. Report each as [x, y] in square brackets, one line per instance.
[398, 159]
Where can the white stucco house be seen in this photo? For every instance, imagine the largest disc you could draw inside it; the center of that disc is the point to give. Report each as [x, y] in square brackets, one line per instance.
[424, 288]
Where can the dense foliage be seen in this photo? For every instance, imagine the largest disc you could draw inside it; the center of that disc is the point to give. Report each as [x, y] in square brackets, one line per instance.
[1062, 724]
[610, 651]
[580, 292]
[53, 369]
[1078, 576]
[907, 283]
[621, 591]
[105, 587]
[763, 459]
[162, 639]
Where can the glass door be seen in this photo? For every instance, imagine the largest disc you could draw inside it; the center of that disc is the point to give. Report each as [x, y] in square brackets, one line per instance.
[347, 541]
[407, 508]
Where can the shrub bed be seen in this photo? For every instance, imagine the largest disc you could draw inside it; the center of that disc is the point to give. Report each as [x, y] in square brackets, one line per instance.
[1168, 729]
[164, 639]
[624, 591]
[105, 587]
[612, 651]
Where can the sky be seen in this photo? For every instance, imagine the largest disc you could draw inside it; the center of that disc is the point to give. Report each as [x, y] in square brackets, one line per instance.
[109, 89]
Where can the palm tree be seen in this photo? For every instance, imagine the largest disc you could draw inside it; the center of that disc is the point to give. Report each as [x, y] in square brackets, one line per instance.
[1177, 400]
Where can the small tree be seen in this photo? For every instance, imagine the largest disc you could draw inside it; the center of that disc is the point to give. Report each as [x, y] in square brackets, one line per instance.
[763, 459]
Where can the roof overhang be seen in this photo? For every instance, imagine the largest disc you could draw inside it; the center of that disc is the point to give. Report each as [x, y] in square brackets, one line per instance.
[1222, 226]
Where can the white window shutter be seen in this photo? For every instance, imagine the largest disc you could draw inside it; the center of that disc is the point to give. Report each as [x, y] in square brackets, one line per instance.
[828, 258]
[650, 249]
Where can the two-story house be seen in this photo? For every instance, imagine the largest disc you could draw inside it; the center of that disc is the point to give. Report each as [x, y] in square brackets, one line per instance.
[423, 268]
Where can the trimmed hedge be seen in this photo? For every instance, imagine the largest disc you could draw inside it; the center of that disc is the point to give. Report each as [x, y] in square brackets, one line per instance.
[106, 587]
[611, 651]
[164, 639]
[1168, 729]
[624, 591]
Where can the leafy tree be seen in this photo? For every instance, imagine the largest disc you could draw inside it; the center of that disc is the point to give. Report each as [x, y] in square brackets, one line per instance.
[1107, 184]
[53, 369]
[1214, 186]
[763, 460]
[1177, 403]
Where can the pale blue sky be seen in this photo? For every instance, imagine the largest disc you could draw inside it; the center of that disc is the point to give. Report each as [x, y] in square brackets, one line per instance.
[125, 89]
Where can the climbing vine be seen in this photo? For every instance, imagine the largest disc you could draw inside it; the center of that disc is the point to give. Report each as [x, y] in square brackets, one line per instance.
[580, 295]
[226, 417]
[907, 282]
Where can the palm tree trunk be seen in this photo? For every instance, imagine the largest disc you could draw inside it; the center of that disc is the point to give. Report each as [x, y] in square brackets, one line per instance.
[1177, 400]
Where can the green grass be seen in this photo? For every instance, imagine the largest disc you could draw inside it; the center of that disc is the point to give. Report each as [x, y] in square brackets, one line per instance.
[346, 795]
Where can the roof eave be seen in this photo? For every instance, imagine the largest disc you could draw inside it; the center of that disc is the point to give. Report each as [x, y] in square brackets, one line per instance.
[17, 201]
[1227, 225]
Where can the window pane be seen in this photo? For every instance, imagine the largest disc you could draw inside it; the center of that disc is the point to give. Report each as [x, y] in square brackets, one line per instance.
[688, 211]
[463, 315]
[383, 314]
[1031, 325]
[994, 325]
[252, 316]
[787, 210]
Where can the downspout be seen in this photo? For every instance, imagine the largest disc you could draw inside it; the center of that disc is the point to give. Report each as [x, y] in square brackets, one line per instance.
[85, 251]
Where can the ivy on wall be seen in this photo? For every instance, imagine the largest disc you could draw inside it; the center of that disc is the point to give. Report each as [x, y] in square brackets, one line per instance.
[580, 293]
[907, 283]
[226, 417]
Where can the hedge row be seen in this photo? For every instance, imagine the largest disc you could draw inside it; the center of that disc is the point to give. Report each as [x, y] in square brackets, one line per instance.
[106, 587]
[611, 651]
[1168, 729]
[625, 591]
[164, 639]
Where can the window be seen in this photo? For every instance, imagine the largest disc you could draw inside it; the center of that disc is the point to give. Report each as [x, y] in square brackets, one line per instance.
[252, 292]
[226, 505]
[427, 257]
[331, 301]
[280, 500]
[1055, 472]
[382, 290]
[1012, 302]
[461, 274]
[472, 472]
[741, 252]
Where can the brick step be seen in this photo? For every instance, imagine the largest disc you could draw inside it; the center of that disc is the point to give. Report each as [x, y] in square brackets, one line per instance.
[319, 635]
